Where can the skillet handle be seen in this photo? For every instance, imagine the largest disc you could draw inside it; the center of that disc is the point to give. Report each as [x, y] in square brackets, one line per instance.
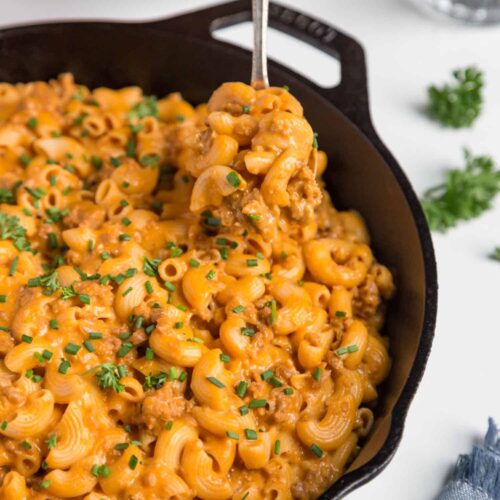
[350, 96]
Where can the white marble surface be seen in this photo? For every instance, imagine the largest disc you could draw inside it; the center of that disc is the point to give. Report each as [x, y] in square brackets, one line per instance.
[405, 52]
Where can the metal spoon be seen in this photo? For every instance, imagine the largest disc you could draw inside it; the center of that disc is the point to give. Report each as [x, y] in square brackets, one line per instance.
[260, 13]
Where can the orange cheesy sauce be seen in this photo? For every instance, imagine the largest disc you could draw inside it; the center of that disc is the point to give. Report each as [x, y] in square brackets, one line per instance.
[183, 313]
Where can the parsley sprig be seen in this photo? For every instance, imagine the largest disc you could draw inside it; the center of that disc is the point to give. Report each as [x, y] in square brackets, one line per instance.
[465, 194]
[108, 376]
[11, 229]
[457, 104]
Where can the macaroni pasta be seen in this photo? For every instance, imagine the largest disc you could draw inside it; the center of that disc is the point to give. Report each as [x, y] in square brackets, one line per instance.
[183, 313]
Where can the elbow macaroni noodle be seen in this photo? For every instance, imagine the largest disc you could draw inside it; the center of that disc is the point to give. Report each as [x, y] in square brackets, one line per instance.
[183, 313]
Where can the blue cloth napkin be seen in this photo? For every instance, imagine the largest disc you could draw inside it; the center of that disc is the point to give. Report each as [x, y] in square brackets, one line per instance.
[477, 476]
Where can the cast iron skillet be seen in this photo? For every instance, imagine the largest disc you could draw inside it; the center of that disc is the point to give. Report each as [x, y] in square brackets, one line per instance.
[180, 54]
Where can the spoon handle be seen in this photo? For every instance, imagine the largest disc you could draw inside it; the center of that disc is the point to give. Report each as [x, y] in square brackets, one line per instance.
[260, 12]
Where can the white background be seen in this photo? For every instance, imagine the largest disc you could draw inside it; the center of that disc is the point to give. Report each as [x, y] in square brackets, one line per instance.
[406, 51]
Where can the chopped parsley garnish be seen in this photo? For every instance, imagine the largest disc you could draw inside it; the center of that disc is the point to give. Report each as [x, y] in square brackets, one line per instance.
[232, 435]
[147, 107]
[238, 309]
[11, 229]
[465, 194]
[211, 275]
[460, 103]
[194, 263]
[150, 266]
[52, 441]
[155, 381]
[108, 376]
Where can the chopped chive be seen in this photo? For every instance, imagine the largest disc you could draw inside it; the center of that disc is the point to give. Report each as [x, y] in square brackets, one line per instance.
[273, 312]
[64, 366]
[121, 446]
[250, 434]
[224, 253]
[210, 275]
[252, 263]
[340, 314]
[216, 382]
[259, 255]
[172, 373]
[26, 339]
[232, 435]
[347, 350]
[243, 410]
[178, 325]
[238, 309]
[169, 425]
[266, 375]
[317, 450]
[132, 463]
[149, 287]
[317, 374]
[245, 496]
[150, 354]
[87, 344]
[241, 388]
[257, 403]
[275, 382]
[125, 349]
[169, 286]
[277, 447]
[225, 358]
[32, 123]
[13, 266]
[95, 335]
[197, 340]
[126, 221]
[315, 141]
[52, 241]
[45, 484]
[245, 109]
[47, 354]
[26, 445]
[234, 179]
[124, 237]
[183, 376]
[104, 255]
[127, 291]
[84, 298]
[194, 263]
[72, 348]
[3, 425]
[254, 217]
[249, 332]
[288, 391]
[3, 299]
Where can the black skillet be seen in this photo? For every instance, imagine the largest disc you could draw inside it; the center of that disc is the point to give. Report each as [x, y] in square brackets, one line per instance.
[180, 54]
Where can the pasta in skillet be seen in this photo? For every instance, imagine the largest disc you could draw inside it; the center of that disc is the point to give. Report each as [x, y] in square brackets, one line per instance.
[183, 313]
